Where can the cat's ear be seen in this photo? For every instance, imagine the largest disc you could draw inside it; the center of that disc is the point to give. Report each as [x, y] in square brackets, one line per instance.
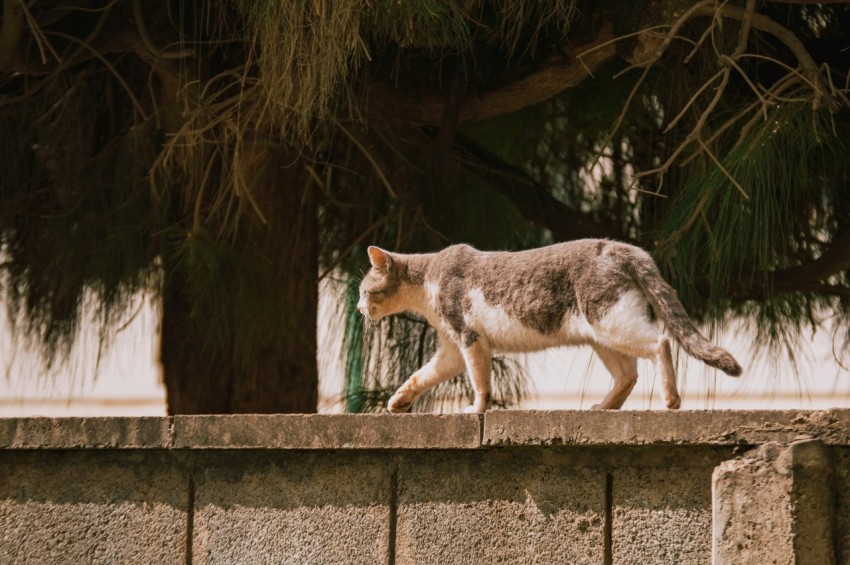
[379, 258]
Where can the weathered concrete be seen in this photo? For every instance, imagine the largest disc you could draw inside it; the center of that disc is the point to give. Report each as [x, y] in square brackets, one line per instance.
[674, 499]
[85, 433]
[74, 507]
[841, 506]
[455, 510]
[310, 508]
[328, 431]
[775, 505]
[690, 427]
[520, 487]
[429, 431]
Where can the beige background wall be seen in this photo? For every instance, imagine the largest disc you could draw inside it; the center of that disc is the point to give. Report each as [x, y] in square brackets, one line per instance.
[126, 381]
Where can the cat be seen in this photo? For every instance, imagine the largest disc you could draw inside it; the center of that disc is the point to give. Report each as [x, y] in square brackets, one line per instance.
[603, 293]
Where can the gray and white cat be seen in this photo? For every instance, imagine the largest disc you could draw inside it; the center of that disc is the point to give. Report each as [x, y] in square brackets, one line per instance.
[602, 293]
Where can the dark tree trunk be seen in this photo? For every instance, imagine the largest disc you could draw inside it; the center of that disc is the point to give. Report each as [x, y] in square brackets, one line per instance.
[282, 375]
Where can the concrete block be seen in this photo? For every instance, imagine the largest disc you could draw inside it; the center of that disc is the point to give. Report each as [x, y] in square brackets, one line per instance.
[662, 514]
[774, 506]
[88, 433]
[841, 487]
[486, 508]
[329, 431]
[685, 427]
[291, 509]
[67, 507]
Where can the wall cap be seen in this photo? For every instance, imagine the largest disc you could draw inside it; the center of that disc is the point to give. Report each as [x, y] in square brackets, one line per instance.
[496, 429]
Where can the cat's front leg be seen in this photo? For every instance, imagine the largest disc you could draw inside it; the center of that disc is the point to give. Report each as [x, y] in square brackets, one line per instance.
[446, 363]
[478, 359]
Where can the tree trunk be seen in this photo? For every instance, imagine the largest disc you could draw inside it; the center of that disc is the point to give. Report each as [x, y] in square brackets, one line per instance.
[282, 374]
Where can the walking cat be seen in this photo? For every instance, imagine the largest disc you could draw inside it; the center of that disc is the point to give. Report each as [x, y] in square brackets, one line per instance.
[603, 293]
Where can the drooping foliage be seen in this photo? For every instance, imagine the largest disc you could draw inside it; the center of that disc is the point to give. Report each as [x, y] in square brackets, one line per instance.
[225, 154]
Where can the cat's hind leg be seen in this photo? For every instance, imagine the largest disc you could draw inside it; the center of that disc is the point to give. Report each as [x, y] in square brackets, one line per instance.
[623, 369]
[446, 363]
[660, 353]
[628, 329]
[664, 362]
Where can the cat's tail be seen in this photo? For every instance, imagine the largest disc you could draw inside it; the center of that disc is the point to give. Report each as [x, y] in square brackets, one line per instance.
[663, 298]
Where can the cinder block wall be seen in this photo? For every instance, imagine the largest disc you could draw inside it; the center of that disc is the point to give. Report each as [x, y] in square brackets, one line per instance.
[508, 487]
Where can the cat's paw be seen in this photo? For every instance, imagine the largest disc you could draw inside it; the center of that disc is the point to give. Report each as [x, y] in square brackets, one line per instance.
[400, 403]
[597, 407]
[473, 409]
[674, 403]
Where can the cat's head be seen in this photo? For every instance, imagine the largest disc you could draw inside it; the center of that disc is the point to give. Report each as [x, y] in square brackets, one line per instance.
[379, 289]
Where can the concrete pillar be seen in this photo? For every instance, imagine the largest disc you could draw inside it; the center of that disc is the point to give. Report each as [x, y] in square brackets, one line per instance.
[774, 505]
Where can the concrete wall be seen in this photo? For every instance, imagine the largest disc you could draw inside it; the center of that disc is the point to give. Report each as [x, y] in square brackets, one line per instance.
[510, 487]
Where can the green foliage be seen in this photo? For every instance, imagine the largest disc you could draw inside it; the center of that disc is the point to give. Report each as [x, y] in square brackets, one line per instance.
[723, 236]
[356, 396]
[718, 244]
[387, 352]
[72, 222]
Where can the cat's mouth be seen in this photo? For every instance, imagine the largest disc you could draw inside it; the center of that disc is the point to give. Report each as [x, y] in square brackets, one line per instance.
[372, 314]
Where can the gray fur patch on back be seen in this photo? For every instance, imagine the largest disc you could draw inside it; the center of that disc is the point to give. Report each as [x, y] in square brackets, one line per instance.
[601, 291]
[537, 293]
[532, 286]
[542, 287]
[539, 287]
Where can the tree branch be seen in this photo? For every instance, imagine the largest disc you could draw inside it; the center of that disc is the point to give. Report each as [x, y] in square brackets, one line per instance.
[809, 277]
[760, 292]
[834, 260]
[532, 199]
[783, 34]
[552, 77]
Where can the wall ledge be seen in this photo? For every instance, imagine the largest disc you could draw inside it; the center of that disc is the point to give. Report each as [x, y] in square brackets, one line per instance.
[664, 427]
[496, 429]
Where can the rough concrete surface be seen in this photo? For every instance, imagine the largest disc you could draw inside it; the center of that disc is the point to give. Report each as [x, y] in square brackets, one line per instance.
[329, 431]
[692, 427]
[491, 509]
[297, 509]
[89, 433]
[70, 508]
[812, 501]
[751, 509]
[775, 505]
[841, 488]
[429, 431]
[661, 515]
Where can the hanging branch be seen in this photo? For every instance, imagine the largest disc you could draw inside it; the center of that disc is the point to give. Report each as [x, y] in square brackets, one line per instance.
[822, 90]
[551, 77]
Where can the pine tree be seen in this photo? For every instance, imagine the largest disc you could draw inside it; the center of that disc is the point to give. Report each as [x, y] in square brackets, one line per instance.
[225, 155]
